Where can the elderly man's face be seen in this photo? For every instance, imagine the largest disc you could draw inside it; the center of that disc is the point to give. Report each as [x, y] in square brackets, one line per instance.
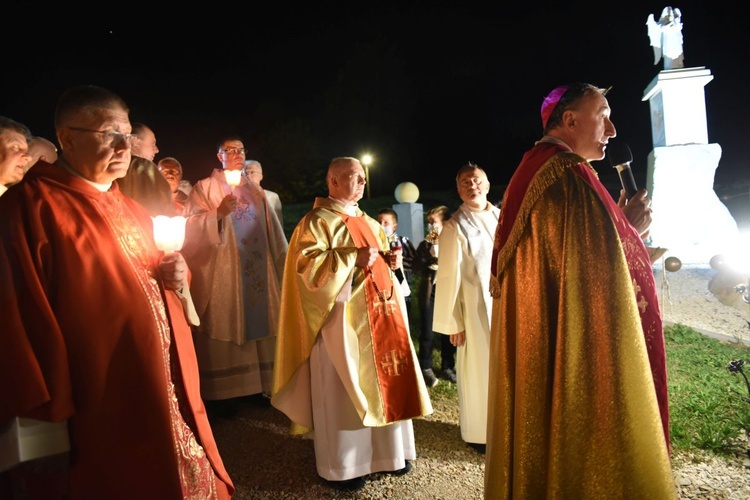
[172, 174]
[97, 145]
[14, 156]
[254, 173]
[347, 182]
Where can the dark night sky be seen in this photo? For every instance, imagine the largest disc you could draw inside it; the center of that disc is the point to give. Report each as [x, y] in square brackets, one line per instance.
[423, 87]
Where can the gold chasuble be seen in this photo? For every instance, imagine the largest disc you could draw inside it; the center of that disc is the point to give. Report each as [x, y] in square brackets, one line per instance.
[577, 403]
[359, 312]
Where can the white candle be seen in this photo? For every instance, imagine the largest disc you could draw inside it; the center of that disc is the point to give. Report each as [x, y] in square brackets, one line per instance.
[169, 232]
[233, 177]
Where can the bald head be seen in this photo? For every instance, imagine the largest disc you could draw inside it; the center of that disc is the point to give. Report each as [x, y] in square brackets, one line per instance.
[346, 179]
[41, 149]
[145, 144]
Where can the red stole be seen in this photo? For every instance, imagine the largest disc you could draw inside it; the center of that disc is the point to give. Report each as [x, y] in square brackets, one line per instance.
[390, 337]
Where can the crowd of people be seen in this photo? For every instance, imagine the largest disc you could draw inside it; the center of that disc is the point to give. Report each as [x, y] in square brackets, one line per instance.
[128, 349]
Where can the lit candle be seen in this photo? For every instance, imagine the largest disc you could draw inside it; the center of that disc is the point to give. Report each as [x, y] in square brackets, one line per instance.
[169, 232]
[233, 177]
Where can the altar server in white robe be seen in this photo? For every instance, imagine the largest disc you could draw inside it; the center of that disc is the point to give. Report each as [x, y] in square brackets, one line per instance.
[463, 305]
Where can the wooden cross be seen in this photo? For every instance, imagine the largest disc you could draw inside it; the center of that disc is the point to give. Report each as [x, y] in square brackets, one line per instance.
[392, 362]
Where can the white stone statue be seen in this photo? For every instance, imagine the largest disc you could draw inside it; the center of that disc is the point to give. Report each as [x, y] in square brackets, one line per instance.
[666, 37]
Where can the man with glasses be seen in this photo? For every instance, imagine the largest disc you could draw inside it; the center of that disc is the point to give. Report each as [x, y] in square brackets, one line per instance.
[94, 334]
[235, 247]
[143, 181]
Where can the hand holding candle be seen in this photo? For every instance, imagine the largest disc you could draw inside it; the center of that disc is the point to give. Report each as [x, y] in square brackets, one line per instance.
[174, 271]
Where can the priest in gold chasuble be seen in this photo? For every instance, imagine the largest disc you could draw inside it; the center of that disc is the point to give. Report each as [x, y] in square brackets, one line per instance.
[345, 367]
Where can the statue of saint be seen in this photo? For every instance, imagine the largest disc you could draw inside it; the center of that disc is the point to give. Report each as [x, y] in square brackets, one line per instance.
[666, 37]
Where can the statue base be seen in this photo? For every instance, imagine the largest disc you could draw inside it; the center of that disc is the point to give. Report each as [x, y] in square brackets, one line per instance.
[689, 219]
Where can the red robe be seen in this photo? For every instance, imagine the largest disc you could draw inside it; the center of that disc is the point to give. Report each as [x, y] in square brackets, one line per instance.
[91, 336]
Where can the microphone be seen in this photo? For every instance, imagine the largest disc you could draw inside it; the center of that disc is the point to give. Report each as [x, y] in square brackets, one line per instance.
[620, 157]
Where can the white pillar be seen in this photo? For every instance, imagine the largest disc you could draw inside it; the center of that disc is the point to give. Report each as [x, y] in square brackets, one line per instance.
[689, 219]
[410, 213]
[410, 221]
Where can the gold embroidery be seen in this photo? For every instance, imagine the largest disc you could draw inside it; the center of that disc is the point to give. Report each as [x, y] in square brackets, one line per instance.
[386, 304]
[196, 473]
[392, 362]
[547, 175]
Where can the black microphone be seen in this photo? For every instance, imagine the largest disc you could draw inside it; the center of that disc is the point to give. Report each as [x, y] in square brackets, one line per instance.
[620, 157]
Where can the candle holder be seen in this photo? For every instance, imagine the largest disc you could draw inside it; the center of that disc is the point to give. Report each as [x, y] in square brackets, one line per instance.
[169, 232]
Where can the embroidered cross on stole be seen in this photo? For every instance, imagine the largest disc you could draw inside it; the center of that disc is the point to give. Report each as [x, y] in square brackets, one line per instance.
[391, 344]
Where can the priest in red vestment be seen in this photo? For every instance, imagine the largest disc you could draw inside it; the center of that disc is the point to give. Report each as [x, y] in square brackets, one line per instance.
[94, 334]
[578, 399]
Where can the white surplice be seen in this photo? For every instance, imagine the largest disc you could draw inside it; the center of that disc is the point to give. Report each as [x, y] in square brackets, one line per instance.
[463, 303]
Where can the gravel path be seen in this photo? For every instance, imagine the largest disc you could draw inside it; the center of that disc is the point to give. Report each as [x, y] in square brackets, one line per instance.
[265, 462]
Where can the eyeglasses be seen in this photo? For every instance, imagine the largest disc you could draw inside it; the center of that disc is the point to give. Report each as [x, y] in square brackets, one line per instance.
[108, 137]
[234, 151]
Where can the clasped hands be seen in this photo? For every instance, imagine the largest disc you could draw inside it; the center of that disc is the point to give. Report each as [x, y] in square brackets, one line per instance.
[366, 257]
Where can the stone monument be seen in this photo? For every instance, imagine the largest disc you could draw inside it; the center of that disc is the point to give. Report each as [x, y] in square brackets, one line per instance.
[688, 219]
[410, 213]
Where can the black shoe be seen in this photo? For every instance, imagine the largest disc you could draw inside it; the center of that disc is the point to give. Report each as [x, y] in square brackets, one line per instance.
[479, 447]
[430, 379]
[353, 484]
[403, 471]
[449, 375]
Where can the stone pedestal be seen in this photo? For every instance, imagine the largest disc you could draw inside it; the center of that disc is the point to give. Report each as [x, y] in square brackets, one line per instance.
[410, 221]
[689, 219]
[678, 106]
